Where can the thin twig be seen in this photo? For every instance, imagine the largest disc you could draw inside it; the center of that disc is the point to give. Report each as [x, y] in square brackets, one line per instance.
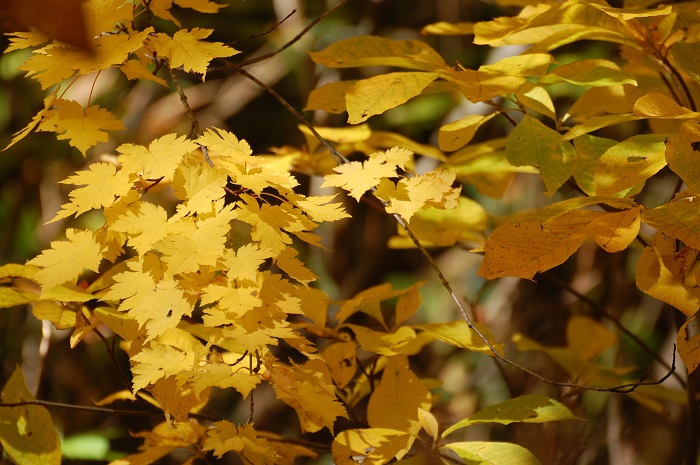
[94, 409]
[266, 32]
[195, 132]
[293, 40]
[600, 311]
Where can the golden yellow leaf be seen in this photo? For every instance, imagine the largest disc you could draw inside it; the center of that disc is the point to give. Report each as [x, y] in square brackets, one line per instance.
[445, 28]
[615, 231]
[36, 119]
[199, 186]
[527, 248]
[407, 304]
[358, 177]
[66, 260]
[192, 243]
[178, 399]
[630, 163]
[459, 133]
[677, 219]
[83, 128]
[53, 64]
[27, 433]
[243, 264]
[187, 49]
[291, 265]
[589, 73]
[234, 301]
[681, 154]
[459, 334]
[659, 275]
[536, 98]
[383, 343]
[368, 302]
[242, 440]
[268, 223]
[223, 376]
[160, 159]
[309, 390]
[319, 207]
[369, 446]
[375, 95]
[104, 186]
[144, 227]
[378, 51]
[329, 97]
[137, 70]
[589, 149]
[24, 39]
[226, 145]
[62, 316]
[341, 359]
[395, 401]
[432, 189]
[158, 361]
[113, 49]
[156, 304]
[529, 64]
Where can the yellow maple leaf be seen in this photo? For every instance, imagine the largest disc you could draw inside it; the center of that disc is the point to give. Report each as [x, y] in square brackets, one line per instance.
[20, 40]
[225, 145]
[65, 260]
[104, 185]
[192, 243]
[358, 177]
[433, 189]
[114, 49]
[309, 390]
[83, 128]
[156, 304]
[53, 64]
[144, 226]
[291, 265]
[158, 361]
[233, 301]
[242, 440]
[187, 49]
[369, 446]
[36, 119]
[137, 70]
[160, 159]
[319, 207]
[223, 376]
[268, 223]
[199, 186]
[243, 264]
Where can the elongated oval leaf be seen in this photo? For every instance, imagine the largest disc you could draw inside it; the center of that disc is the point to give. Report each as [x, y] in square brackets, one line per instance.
[523, 409]
[493, 453]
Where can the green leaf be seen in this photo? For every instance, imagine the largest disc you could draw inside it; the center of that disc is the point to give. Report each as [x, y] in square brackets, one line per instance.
[534, 144]
[589, 149]
[523, 409]
[493, 453]
[27, 433]
[630, 163]
[378, 94]
[378, 51]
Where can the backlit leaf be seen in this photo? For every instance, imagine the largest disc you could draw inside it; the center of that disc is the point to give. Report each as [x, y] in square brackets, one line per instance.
[66, 260]
[629, 163]
[359, 177]
[459, 334]
[375, 95]
[378, 51]
[493, 453]
[369, 446]
[677, 219]
[459, 133]
[681, 155]
[189, 50]
[526, 409]
[27, 433]
[145, 226]
[159, 159]
[242, 440]
[589, 73]
[83, 128]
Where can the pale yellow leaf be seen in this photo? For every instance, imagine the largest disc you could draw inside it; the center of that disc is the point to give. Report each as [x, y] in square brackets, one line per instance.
[144, 227]
[160, 159]
[189, 50]
[66, 260]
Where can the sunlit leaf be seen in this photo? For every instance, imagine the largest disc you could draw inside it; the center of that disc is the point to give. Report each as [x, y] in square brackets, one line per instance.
[493, 453]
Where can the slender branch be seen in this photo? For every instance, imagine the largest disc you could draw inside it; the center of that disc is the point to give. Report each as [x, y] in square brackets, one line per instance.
[294, 39]
[266, 32]
[195, 132]
[600, 311]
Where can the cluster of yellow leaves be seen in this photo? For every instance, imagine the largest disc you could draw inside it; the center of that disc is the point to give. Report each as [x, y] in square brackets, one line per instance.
[112, 43]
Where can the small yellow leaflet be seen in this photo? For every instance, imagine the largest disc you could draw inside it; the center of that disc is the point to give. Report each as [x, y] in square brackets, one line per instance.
[359, 177]
[160, 159]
